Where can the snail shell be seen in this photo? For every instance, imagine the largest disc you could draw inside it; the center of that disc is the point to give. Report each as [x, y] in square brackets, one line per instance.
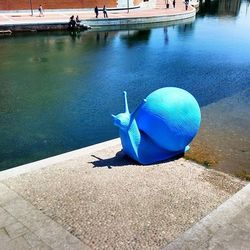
[170, 117]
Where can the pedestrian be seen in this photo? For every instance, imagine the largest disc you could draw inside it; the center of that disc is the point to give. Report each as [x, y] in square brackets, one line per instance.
[186, 4]
[105, 11]
[72, 23]
[174, 3]
[167, 5]
[78, 21]
[40, 9]
[96, 12]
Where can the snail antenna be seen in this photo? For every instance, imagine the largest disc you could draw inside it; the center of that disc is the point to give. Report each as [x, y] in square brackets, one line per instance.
[125, 102]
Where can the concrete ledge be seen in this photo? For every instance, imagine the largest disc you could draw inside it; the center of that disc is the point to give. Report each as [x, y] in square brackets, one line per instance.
[143, 25]
[56, 159]
[139, 20]
[39, 26]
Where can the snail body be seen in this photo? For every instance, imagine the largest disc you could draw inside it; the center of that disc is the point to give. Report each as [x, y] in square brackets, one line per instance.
[161, 127]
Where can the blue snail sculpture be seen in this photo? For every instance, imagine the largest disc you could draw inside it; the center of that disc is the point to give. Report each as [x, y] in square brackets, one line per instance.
[161, 127]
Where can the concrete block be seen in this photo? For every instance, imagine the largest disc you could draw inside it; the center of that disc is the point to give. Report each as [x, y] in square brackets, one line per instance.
[6, 194]
[6, 218]
[16, 230]
[18, 207]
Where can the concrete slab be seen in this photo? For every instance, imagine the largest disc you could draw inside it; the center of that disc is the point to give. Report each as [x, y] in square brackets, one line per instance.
[108, 201]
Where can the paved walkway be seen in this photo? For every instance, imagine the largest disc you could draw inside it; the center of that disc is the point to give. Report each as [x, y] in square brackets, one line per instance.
[63, 16]
[96, 198]
[227, 227]
[22, 226]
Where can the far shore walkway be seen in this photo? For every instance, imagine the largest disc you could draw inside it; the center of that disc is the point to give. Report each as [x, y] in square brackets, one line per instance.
[64, 15]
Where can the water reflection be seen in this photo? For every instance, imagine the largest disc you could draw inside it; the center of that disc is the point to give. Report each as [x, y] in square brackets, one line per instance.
[219, 7]
[187, 28]
[166, 39]
[102, 37]
[133, 37]
[75, 35]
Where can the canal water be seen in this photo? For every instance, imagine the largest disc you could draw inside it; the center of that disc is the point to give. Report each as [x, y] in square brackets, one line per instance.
[57, 90]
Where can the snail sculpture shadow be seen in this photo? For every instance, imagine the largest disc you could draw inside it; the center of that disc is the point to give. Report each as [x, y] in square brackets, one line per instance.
[161, 127]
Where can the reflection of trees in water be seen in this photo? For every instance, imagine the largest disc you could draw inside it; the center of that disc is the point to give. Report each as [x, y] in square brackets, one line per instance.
[133, 37]
[219, 7]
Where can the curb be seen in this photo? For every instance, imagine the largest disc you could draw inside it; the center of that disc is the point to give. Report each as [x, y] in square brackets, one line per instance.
[5, 174]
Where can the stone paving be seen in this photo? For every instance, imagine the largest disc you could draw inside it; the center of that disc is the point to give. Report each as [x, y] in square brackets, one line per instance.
[227, 227]
[97, 198]
[23, 227]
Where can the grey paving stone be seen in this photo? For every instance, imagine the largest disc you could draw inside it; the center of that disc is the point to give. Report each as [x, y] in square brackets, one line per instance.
[242, 220]
[33, 240]
[230, 238]
[50, 233]
[15, 244]
[15, 230]
[4, 235]
[68, 242]
[18, 207]
[6, 218]
[42, 247]
[6, 194]
[35, 220]
[57, 237]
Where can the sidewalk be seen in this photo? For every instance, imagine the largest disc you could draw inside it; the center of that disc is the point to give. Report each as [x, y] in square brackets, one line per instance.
[87, 15]
[227, 227]
[97, 198]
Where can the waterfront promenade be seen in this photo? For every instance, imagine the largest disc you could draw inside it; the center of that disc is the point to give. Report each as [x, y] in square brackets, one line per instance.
[96, 198]
[148, 15]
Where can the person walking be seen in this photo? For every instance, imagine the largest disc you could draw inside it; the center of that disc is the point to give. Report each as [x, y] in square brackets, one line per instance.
[167, 5]
[96, 12]
[174, 3]
[72, 23]
[40, 9]
[186, 4]
[78, 21]
[105, 11]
